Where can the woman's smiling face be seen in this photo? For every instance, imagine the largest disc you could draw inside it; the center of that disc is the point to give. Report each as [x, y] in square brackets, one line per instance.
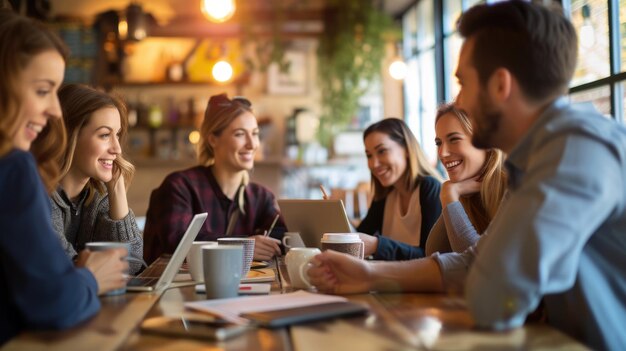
[98, 145]
[455, 150]
[386, 159]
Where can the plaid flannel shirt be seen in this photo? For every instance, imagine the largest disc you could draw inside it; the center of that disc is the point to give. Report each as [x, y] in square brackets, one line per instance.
[185, 193]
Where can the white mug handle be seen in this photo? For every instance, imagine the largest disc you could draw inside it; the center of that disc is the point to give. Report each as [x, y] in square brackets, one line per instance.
[285, 241]
[303, 276]
[362, 250]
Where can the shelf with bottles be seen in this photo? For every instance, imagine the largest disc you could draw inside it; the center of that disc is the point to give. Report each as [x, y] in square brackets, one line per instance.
[165, 130]
[164, 113]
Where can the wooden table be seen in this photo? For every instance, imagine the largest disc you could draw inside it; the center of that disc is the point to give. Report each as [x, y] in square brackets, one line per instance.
[396, 322]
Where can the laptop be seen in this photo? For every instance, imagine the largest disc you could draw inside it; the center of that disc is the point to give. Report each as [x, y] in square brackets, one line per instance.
[313, 218]
[144, 282]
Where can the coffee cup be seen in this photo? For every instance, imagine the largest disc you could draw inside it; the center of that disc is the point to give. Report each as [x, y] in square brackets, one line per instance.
[222, 267]
[291, 240]
[297, 260]
[344, 242]
[248, 251]
[194, 259]
[110, 245]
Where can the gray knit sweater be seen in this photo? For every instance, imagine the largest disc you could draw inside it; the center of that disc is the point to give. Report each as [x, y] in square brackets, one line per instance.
[94, 224]
[453, 231]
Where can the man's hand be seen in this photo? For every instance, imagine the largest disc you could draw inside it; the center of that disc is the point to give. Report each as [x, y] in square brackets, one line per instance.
[340, 273]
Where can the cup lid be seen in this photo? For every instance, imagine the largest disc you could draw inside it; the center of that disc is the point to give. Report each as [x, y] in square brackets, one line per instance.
[340, 238]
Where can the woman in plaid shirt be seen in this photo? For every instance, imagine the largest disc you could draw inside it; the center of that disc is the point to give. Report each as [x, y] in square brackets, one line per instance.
[219, 185]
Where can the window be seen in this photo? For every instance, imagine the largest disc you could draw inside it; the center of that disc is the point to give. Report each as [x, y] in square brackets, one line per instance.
[590, 18]
[599, 77]
[599, 97]
[421, 82]
[432, 46]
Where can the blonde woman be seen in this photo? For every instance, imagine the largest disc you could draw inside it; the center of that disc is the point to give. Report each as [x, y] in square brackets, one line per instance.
[477, 184]
[90, 202]
[219, 185]
[406, 193]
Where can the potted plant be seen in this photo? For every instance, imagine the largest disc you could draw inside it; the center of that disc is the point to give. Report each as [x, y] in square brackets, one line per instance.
[350, 53]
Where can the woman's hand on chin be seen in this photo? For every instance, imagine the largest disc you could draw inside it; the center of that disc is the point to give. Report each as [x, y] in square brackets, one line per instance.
[451, 192]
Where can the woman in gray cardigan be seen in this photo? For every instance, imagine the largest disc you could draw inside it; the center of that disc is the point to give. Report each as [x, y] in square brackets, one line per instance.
[90, 202]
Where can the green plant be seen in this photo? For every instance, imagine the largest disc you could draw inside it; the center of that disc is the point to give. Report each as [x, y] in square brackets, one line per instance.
[349, 58]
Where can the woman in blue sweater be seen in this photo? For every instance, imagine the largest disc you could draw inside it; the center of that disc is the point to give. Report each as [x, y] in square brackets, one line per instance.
[40, 288]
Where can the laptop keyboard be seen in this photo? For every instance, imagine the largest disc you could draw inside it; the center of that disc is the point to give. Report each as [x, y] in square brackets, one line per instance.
[138, 281]
[150, 276]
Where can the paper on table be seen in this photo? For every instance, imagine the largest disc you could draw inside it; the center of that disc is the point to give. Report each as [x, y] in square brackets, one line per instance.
[231, 308]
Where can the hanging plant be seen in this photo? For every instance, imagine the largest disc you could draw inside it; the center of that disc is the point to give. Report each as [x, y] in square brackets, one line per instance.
[350, 53]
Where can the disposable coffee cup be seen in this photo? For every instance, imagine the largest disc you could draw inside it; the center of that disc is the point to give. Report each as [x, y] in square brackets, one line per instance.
[348, 243]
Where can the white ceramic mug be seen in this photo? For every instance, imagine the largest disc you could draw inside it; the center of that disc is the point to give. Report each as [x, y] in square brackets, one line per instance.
[297, 259]
[349, 243]
[110, 245]
[194, 259]
[291, 240]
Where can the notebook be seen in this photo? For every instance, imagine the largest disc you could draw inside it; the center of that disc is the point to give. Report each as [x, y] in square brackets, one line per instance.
[144, 282]
[313, 218]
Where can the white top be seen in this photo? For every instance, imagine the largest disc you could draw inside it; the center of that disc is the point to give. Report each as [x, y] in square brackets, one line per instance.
[404, 228]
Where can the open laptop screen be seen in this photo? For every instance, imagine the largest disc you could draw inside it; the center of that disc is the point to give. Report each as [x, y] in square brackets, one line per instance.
[313, 218]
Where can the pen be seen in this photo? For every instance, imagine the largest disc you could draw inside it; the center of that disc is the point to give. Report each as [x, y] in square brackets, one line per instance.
[269, 231]
[324, 194]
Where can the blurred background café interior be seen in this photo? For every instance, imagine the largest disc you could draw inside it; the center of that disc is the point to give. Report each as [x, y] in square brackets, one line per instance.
[318, 72]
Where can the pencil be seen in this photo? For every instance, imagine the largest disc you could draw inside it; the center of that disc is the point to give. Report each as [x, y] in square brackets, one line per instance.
[324, 194]
[269, 231]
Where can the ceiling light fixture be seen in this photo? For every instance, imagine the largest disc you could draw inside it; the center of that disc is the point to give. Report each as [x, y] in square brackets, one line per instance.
[222, 71]
[218, 11]
[397, 68]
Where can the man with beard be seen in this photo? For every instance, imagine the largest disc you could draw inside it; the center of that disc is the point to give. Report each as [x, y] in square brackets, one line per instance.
[559, 234]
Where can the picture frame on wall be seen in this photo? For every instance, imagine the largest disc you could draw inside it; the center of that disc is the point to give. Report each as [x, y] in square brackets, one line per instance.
[292, 82]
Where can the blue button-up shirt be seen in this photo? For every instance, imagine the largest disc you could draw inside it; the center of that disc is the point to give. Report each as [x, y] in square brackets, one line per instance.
[559, 235]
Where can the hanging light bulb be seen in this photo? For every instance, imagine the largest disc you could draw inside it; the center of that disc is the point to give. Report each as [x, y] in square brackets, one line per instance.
[218, 10]
[587, 33]
[397, 67]
[222, 71]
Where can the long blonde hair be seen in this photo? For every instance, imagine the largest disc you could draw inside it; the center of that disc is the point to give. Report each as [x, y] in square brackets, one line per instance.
[481, 207]
[418, 165]
[21, 39]
[219, 114]
[78, 103]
